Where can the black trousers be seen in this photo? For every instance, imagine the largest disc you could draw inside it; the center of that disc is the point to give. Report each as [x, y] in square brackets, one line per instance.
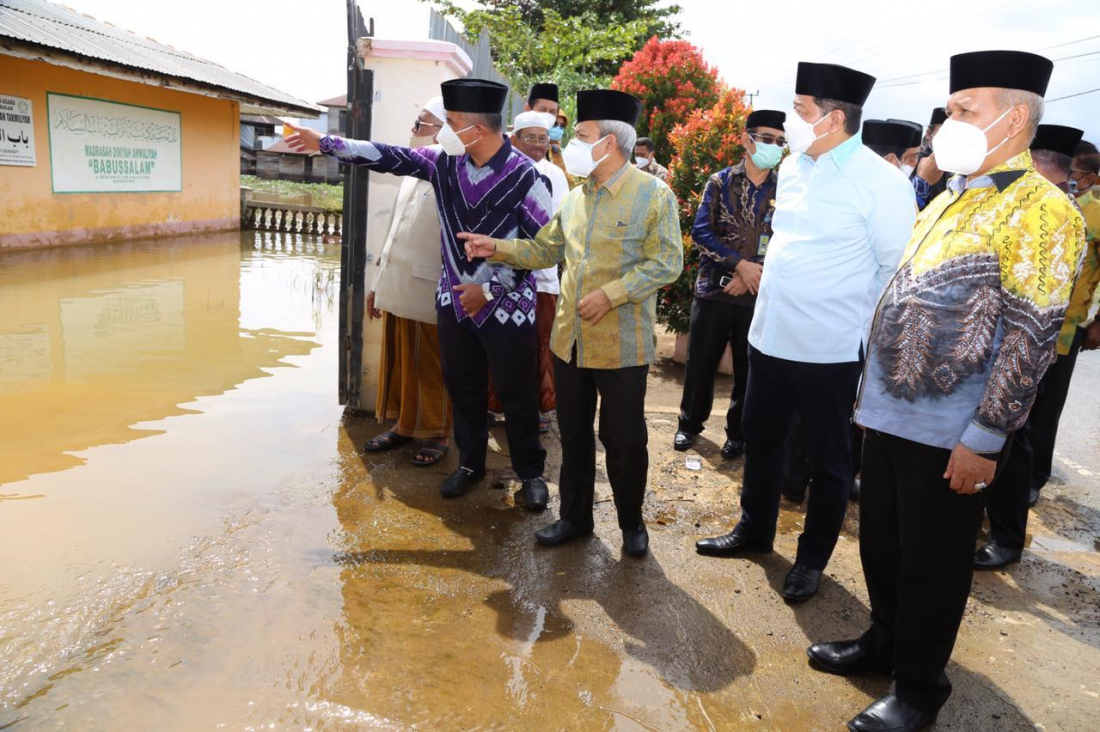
[1032, 455]
[916, 541]
[798, 469]
[714, 325]
[1007, 501]
[623, 433]
[1047, 411]
[469, 355]
[821, 395]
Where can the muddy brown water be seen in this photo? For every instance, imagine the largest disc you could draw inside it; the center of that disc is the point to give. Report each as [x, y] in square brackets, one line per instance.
[191, 538]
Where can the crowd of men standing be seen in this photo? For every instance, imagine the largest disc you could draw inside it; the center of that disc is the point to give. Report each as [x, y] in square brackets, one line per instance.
[939, 280]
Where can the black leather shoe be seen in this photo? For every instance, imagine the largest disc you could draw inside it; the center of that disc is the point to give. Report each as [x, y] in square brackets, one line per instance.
[731, 544]
[733, 449]
[460, 482]
[853, 494]
[560, 532]
[683, 441]
[1032, 497]
[636, 543]
[995, 556]
[534, 494]
[802, 583]
[843, 658]
[890, 714]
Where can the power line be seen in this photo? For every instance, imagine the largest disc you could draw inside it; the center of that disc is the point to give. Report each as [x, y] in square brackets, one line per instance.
[877, 49]
[1069, 43]
[886, 85]
[1071, 96]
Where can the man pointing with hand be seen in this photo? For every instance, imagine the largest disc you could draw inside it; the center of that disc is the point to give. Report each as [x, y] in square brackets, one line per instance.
[619, 236]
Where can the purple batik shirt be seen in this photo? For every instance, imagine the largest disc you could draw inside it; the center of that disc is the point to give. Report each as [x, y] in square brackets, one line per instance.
[506, 199]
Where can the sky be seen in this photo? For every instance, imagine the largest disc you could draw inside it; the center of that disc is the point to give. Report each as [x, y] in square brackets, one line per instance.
[299, 47]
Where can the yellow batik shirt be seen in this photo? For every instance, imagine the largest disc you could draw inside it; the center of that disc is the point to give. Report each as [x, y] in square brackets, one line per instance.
[1085, 289]
[622, 236]
[968, 325]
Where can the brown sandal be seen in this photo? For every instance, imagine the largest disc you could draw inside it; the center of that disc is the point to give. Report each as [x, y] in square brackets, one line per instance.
[430, 453]
[388, 440]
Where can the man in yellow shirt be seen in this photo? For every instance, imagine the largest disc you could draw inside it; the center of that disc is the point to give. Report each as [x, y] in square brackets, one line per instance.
[619, 236]
[959, 341]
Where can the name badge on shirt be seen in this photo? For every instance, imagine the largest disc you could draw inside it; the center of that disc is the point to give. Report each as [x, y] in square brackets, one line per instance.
[762, 248]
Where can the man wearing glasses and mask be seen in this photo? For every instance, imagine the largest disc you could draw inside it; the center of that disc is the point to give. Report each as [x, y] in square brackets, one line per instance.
[842, 217]
[732, 229]
[531, 136]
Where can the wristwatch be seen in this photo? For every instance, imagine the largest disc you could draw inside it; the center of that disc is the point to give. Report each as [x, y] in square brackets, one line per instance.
[487, 290]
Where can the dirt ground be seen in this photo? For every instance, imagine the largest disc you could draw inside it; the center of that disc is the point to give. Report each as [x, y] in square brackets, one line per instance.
[715, 636]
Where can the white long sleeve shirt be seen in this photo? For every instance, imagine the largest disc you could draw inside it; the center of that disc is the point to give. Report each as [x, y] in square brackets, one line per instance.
[840, 228]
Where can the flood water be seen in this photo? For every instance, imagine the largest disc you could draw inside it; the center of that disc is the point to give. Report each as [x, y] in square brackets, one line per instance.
[192, 538]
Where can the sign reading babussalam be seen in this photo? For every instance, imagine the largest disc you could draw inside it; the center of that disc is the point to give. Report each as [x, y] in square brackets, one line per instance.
[97, 146]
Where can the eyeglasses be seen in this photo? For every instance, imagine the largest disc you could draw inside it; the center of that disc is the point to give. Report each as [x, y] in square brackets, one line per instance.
[537, 141]
[769, 139]
[420, 124]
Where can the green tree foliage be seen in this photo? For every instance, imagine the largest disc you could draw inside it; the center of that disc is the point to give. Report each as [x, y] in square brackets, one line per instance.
[540, 43]
[660, 21]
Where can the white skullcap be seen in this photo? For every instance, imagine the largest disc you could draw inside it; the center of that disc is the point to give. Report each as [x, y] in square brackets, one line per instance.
[542, 120]
[434, 106]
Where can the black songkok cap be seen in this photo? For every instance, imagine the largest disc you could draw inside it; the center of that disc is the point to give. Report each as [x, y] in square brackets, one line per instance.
[477, 96]
[939, 116]
[765, 118]
[829, 81]
[916, 131]
[543, 91]
[601, 104]
[886, 133]
[1002, 69]
[1057, 138]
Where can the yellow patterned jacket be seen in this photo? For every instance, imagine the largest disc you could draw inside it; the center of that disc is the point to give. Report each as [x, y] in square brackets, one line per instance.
[968, 325]
[1085, 289]
[623, 237]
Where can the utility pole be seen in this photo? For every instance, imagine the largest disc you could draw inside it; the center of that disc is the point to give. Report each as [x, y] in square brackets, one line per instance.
[751, 95]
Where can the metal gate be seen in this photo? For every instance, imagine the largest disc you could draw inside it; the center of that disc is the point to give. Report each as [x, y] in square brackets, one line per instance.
[353, 250]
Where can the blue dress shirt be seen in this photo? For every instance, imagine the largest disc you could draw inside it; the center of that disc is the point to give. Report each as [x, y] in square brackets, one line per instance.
[840, 228]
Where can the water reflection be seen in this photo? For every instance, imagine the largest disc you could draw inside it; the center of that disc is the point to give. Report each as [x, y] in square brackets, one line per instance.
[220, 352]
[96, 340]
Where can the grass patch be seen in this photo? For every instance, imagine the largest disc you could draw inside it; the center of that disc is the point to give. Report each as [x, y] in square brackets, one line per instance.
[328, 197]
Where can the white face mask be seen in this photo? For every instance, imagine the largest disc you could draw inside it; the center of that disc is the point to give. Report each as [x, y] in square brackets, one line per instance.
[577, 156]
[907, 169]
[800, 133]
[961, 147]
[642, 162]
[451, 142]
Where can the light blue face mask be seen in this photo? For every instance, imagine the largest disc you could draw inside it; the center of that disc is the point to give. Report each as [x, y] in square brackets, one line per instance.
[767, 156]
[556, 133]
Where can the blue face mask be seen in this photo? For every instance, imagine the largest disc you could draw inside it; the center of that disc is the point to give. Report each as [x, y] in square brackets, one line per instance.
[556, 133]
[767, 156]
[1072, 187]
